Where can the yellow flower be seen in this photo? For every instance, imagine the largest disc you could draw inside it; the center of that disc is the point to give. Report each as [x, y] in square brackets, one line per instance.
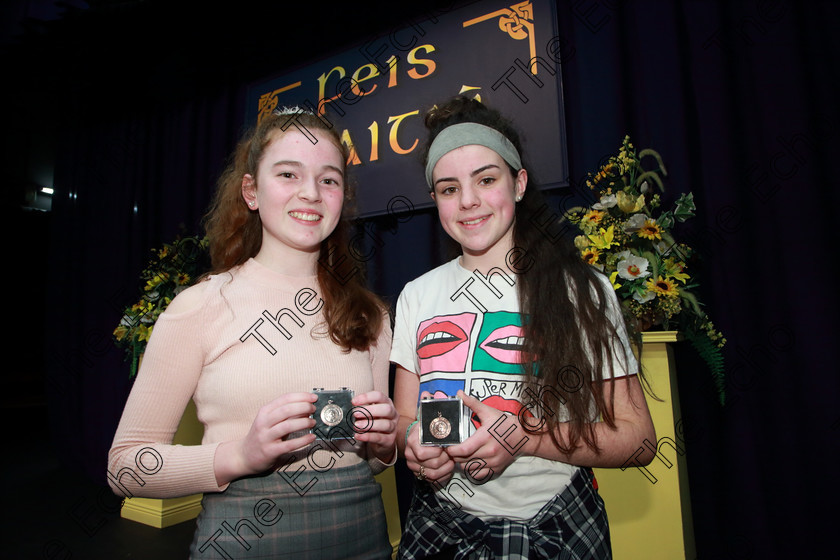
[674, 269]
[626, 155]
[650, 230]
[581, 242]
[609, 169]
[627, 204]
[615, 284]
[120, 332]
[590, 255]
[605, 239]
[593, 217]
[183, 278]
[144, 332]
[663, 287]
[156, 281]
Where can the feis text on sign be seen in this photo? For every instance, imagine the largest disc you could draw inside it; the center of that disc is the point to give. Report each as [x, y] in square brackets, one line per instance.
[506, 55]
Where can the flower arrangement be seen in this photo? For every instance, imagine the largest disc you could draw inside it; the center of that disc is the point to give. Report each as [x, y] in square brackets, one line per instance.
[627, 235]
[173, 267]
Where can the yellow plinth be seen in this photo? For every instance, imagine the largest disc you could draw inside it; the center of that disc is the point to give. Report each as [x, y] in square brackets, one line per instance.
[649, 508]
[392, 509]
[163, 513]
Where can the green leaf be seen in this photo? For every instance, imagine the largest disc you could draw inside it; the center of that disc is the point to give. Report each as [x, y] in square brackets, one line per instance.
[712, 355]
[685, 207]
[666, 220]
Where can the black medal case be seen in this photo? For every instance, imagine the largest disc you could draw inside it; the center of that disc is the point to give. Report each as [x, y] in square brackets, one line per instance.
[332, 410]
[441, 421]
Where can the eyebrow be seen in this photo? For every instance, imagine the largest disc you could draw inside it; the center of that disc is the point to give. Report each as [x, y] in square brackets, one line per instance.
[472, 174]
[299, 164]
[334, 168]
[286, 162]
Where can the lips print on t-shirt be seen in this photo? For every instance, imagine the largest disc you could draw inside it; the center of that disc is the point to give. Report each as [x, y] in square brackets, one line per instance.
[498, 402]
[443, 343]
[499, 344]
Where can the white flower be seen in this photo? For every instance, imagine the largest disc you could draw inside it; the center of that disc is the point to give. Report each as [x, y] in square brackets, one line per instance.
[634, 223]
[606, 202]
[644, 296]
[663, 248]
[644, 187]
[633, 267]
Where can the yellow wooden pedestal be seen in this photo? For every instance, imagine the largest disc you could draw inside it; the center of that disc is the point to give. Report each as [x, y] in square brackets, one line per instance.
[649, 508]
[163, 513]
[392, 509]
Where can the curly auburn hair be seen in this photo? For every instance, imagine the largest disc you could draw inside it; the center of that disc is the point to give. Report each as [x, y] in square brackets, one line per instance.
[353, 314]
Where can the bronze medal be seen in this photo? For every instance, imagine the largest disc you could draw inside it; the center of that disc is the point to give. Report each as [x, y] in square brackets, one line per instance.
[440, 427]
[331, 414]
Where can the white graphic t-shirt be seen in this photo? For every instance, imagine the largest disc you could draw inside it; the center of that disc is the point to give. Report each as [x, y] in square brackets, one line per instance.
[460, 329]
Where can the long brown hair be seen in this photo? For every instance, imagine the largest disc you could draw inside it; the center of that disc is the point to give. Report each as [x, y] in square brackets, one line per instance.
[353, 314]
[569, 341]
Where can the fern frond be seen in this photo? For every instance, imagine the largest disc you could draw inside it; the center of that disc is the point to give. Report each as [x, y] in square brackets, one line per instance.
[712, 355]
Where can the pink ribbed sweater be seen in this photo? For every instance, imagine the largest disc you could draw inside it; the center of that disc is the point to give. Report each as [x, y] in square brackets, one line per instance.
[257, 335]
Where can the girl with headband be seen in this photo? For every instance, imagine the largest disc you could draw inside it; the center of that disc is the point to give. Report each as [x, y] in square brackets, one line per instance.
[532, 340]
[248, 344]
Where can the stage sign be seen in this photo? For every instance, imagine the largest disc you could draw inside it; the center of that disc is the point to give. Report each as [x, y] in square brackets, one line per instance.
[507, 55]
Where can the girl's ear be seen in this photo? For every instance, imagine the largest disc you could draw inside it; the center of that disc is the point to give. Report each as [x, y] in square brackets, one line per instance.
[521, 183]
[249, 191]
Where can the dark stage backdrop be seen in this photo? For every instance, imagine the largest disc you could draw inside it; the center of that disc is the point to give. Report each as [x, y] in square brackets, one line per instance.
[739, 98]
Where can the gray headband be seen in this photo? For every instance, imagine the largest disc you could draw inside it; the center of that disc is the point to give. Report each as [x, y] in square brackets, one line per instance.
[466, 134]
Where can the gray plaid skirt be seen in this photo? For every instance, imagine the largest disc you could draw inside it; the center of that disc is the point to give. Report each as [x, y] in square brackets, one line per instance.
[295, 515]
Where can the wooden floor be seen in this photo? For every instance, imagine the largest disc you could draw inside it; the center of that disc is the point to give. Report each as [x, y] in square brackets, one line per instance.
[51, 514]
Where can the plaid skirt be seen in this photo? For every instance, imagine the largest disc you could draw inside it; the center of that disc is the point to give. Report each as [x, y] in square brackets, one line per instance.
[299, 515]
[572, 526]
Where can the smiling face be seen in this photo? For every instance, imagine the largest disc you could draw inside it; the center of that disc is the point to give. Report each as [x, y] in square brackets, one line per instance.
[475, 194]
[298, 191]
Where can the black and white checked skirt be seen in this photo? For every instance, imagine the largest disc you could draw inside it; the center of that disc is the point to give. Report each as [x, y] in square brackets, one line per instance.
[572, 526]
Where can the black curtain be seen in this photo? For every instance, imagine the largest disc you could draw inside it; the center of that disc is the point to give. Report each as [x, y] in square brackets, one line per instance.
[739, 99]
[127, 185]
[736, 97]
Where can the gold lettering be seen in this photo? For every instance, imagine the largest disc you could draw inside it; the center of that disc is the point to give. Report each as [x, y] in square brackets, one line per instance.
[465, 89]
[374, 140]
[322, 87]
[428, 63]
[372, 72]
[392, 137]
[392, 71]
[353, 158]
